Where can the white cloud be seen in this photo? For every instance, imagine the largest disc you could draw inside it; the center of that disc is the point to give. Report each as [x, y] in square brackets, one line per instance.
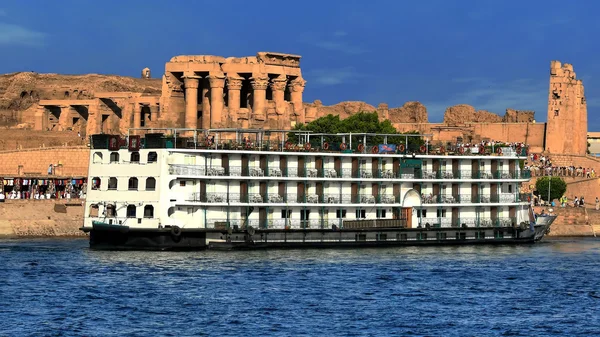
[333, 42]
[332, 76]
[17, 35]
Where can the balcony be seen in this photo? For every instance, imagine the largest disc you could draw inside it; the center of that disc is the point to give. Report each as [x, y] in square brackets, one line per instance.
[291, 198]
[502, 198]
[295, 172]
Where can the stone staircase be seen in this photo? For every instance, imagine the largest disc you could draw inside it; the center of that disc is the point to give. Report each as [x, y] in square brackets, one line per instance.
[576, 222]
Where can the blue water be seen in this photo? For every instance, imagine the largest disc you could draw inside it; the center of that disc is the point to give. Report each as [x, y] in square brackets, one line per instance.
[61, 288]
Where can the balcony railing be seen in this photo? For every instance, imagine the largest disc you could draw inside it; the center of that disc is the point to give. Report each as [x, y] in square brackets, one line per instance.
[294, 172]
[275, 223]
[321, 223]
[467, 222]
[341, 198]
[502, 198]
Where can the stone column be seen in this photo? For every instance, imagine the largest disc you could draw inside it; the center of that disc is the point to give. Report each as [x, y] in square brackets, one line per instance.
[259, 86]
[63, 120]
[278, 88]
[191, 101]
[234, 85]
[217, 82]
[205, 104]
[41, 118]
[137, 115]
[296, 89]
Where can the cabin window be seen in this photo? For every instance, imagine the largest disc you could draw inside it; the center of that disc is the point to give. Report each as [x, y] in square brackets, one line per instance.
[340, 213]
[286, 213]
[148, 211]
[421, 213]
[361, 214]
[441, 213]
[152, 156]
[182, 183]
[133, 184]
[96, 182]
[131, 211]
[94, 210]
[110, 210]
[381, 213]
[97, 157]
[304, 214]
[114, 157]
[135, 157]
[112, 183]
[150, 184]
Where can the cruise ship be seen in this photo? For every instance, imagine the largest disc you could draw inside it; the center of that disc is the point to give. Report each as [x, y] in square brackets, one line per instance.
[183, 189]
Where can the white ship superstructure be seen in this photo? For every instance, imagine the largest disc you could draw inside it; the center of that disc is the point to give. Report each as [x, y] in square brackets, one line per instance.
[218, 179]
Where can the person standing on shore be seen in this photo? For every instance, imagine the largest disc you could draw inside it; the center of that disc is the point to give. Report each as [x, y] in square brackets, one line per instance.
[597, 204]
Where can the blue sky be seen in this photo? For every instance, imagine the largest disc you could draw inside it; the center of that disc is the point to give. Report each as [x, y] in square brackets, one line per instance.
[490, 54]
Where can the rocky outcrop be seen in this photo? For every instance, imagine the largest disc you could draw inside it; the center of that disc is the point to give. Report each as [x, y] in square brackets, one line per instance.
[518, 116]
[461, 113]
[20, 91]
[343, 109]
[410, 112]
[464, 113]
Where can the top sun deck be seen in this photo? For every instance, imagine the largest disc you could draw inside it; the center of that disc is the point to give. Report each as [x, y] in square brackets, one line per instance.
[296, 141]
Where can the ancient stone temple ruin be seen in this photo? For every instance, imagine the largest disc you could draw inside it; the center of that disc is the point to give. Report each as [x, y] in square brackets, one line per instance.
[265, 90]
[566, 129]
[198, 92]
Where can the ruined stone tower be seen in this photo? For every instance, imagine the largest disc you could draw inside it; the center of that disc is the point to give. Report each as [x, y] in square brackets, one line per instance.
[566, 130]
[146, 73]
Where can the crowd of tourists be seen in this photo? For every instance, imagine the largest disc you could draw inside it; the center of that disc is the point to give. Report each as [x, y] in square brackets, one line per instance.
[42, 188]
[541, 165]
[577, 202]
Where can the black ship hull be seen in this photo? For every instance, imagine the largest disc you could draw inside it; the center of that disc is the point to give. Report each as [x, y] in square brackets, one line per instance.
[116, 237]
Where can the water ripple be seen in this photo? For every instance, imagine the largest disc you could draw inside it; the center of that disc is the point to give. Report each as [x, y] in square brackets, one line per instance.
[61, 288]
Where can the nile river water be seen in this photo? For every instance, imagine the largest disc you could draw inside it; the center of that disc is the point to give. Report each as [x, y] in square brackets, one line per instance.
[61, 288]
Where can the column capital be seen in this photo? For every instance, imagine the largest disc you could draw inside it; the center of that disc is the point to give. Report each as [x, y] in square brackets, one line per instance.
[216, 81]
[191, 81]
[278, 84]
[259, 82]
[297, 84]
[234, 82]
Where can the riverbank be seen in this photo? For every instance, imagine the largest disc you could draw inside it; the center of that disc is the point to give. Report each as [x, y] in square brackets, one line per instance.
[63, 218]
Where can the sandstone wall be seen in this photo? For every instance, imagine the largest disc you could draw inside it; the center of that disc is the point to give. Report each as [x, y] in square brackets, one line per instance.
[576, 160]
[14, 139]
[41, 218]
[72, 161]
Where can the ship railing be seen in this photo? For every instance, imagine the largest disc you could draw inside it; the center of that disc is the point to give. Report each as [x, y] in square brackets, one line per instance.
[241, 224]
[483, 222]
[297, 141]
[292, 198]
[309, 172]
[472, 198]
